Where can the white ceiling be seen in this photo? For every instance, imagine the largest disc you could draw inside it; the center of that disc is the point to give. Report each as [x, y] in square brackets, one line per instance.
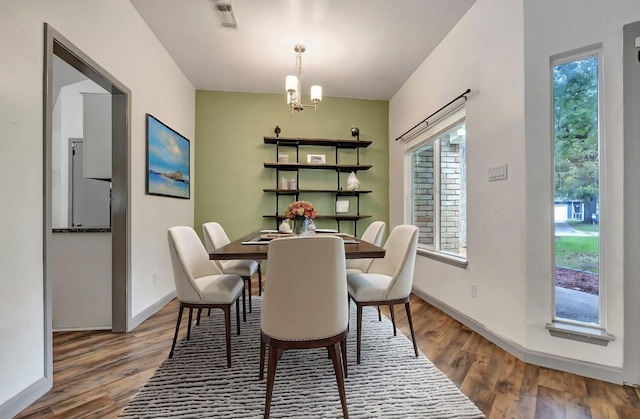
[354, 48]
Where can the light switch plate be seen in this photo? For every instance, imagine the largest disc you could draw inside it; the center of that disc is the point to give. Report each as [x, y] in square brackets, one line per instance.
[638, 42]
[498, 172]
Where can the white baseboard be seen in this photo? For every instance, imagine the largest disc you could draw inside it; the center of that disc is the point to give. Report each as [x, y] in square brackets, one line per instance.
[80, 329]
[574, 366]
[150, 311]
[26, 397]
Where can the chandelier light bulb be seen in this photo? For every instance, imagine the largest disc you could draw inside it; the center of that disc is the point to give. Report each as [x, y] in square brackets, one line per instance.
[291, 83]
[316, 93]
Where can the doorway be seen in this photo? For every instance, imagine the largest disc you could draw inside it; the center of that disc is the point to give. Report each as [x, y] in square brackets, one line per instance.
[58, 46]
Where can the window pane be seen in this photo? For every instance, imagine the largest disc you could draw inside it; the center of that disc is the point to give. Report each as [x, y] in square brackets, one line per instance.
[452, 191]
[423, 188]
[438, 191]
[576, 174]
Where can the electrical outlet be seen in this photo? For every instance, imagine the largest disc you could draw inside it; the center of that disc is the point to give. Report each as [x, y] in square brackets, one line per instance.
[474, 290]
[154, 278]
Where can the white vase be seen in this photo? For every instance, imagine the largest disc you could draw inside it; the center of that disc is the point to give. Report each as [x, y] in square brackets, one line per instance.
[352, 182]
[284, 227]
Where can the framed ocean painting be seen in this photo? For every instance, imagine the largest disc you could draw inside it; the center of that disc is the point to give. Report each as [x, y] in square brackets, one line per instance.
[168, 161]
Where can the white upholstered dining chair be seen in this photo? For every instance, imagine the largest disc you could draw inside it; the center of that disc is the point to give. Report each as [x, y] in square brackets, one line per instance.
[305, 304]
[214, 238]
[200, 284]
[373, 234]
[388, 280]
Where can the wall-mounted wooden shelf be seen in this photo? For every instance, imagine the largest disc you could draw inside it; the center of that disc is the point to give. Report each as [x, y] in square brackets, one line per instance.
[339, 167]
[297, 191]
[324, 142]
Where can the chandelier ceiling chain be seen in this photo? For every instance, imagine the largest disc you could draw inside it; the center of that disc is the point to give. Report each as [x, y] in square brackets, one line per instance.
[293, 86]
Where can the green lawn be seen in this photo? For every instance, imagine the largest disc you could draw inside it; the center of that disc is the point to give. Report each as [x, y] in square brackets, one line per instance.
[578, 252]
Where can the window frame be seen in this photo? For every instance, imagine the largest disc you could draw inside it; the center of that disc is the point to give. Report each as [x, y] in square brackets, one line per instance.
[429, 134]
[558, 322]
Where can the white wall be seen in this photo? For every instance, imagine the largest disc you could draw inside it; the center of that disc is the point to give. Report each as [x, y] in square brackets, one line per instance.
[115, 36]
[548, 34]
[484, 52]
[501, 49]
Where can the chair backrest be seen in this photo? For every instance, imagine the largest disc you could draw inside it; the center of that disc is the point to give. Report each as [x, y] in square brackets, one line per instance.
[305, 297]
[373, 234]
[399, 261]
[214, 238]
[190, 261]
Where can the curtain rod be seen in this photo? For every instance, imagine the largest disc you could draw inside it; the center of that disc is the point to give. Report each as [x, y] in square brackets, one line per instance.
[463, 95]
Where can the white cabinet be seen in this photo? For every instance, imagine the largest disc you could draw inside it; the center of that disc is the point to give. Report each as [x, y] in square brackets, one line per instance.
[81, 281]
[96, 119]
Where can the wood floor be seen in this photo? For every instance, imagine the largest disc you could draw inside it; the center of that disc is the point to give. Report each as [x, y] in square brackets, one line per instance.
[97, 373]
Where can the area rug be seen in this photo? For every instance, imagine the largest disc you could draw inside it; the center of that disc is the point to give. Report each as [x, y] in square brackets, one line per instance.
[390, 382]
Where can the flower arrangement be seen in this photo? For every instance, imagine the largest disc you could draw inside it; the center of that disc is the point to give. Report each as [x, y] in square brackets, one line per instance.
[300, 210]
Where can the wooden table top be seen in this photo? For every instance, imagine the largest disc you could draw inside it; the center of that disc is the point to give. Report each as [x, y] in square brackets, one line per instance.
[236, 250]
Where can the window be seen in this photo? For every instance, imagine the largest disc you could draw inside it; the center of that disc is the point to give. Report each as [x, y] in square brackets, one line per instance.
[577, 188]
[436, 179]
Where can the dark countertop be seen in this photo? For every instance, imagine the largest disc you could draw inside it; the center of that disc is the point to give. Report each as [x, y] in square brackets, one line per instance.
[83, 230]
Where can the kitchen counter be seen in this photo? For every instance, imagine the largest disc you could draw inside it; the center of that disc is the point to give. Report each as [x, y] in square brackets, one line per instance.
[83, 230]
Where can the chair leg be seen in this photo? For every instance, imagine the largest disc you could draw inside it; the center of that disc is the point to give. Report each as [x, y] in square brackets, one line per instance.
[175, 336]
[263, 348]
[393, 319]
[337, 368]
[238, 316]
[227, 330]
[198, 317]
[259, 280]
[413, 335]
[274, 356]
[244, 307]
[343, 348]
[349, 311]
[379, 314]
[359, 331]
[247, 281]
[189, 326]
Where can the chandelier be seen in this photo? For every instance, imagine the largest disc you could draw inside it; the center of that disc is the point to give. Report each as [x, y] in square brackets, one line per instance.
[292, 82]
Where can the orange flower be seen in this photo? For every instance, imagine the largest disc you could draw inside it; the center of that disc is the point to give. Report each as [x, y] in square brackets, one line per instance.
[300, 210]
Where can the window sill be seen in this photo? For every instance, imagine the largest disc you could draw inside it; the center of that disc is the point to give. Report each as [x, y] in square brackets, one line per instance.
[580, 333]
[444, 257]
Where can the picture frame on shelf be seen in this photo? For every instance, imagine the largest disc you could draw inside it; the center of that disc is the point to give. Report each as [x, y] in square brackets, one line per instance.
[168, 161]
[342, 206]
[316, 159]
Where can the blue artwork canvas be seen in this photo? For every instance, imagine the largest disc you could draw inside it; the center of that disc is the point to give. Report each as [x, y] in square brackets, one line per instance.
[168, 161]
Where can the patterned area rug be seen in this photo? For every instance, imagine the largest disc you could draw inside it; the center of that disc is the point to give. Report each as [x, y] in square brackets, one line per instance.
[389, 383]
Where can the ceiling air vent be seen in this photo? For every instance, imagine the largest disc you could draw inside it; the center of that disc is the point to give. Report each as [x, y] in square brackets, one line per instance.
[224, 11]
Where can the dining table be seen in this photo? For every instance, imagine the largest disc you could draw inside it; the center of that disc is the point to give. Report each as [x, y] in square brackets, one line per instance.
[254, 246]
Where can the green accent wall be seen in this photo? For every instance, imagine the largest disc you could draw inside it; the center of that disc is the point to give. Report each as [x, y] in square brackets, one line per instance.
[229, 174]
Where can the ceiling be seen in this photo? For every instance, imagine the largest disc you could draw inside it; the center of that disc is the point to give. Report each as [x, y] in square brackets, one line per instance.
[362, 49]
